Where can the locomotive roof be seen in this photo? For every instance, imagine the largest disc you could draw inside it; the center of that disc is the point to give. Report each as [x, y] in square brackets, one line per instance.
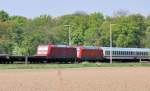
[62, 45]
[56, 45]
[90, 47]
[126, 49]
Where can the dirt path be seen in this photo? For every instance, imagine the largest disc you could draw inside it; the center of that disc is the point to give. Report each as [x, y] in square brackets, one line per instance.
[86, 79]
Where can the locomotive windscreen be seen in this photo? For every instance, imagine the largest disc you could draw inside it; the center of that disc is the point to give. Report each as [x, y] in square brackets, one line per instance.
[42, 50]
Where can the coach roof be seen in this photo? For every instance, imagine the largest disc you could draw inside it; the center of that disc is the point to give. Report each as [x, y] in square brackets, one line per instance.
[125, 49]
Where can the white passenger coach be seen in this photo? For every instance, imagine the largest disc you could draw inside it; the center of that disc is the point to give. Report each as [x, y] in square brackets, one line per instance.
[126, 53]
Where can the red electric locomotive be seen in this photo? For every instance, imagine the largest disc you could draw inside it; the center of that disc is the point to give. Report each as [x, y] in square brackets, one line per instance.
[57, 53]
[93, 54]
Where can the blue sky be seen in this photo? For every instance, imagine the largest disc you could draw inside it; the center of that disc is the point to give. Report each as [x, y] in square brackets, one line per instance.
[33, 8]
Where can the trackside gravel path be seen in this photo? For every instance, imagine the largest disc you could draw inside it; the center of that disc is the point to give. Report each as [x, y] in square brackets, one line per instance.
[80, 79]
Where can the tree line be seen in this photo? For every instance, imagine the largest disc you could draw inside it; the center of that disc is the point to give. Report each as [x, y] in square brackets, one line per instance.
[20, 35]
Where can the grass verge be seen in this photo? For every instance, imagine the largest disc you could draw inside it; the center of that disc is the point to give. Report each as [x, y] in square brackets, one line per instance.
[55, 66]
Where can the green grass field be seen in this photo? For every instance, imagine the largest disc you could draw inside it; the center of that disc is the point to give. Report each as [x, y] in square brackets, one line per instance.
[55, 66]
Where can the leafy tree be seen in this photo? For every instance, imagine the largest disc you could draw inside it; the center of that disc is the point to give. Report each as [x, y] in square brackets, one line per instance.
[21, 36]
[19, 20]
[3, 16]
[146, 38]
[6, 36]
[42, 20]
[93, 33]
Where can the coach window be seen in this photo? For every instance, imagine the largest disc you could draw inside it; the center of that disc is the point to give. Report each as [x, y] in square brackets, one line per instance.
[141, 53]
[132, 53]
[113, 52]
[138, 53]
[144, 53]
[119, 52]
[105, 52]
[116, 52]
[123, 52]
[129, 53]
[147, 53]
[108, 52]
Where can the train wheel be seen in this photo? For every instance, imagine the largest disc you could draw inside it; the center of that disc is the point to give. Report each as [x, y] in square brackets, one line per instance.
[11, 62]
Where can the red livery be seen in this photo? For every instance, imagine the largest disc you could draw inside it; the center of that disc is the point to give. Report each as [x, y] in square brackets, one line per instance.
[57, 52]
[89, 53]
